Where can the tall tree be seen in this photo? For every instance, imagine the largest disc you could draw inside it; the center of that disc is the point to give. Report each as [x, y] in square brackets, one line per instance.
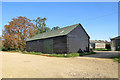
[17, 32]
[54, 28]
[40, 25]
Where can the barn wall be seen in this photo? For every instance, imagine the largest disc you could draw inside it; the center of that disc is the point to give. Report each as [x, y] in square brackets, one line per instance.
[60, 44]
[48, 45]
[118, 44]
[77, 41]
[115, 45]
[36, 46]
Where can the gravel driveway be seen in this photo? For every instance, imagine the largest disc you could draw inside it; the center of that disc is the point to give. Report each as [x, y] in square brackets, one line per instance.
[17, 65]
[104, 54]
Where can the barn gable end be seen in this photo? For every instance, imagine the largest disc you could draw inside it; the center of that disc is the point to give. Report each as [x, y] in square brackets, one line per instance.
[78, 40]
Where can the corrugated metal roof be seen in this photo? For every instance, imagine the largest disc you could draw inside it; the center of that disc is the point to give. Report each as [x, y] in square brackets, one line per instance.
[54, 33]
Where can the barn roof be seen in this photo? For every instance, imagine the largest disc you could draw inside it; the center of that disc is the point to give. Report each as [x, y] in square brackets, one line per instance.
[116, 38]
[54, 33]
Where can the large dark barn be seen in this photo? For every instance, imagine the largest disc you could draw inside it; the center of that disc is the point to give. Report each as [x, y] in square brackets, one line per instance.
[69, 39]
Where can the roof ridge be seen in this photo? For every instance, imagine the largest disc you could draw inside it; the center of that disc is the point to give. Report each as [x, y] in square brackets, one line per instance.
[118, 37]
[60, 28]
[69, 26]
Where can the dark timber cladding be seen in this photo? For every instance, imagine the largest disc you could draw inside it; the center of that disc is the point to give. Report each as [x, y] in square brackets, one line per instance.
[65, 40]
[115, 44]
[60, 44]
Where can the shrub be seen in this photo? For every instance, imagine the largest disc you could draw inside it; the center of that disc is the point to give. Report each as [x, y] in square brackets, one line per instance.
[117, 59]
[4, 49]
[81, 54]
[108, 46]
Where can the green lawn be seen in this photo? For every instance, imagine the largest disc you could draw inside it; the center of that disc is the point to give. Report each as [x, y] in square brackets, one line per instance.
[37, 53]
[56, 55]
[24, 52]
[89, 53]
[117, 59]
[101, 49]
[13, 50]
[71, 54]
[63, 55]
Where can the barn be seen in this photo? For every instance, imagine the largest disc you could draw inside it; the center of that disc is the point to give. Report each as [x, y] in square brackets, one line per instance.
[115, 44]
[69, 39]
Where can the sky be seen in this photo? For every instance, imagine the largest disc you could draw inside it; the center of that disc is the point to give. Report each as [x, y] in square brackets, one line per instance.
[99, 19]
[60, 0]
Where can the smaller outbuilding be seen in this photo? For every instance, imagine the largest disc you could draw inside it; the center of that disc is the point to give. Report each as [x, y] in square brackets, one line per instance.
[115, 44]
[97, 44]
[69, 39]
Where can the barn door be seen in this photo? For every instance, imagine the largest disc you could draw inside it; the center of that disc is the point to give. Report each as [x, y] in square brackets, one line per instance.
[48, 46]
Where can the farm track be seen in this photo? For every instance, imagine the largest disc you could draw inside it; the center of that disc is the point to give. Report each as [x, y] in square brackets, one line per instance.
[16, 65]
